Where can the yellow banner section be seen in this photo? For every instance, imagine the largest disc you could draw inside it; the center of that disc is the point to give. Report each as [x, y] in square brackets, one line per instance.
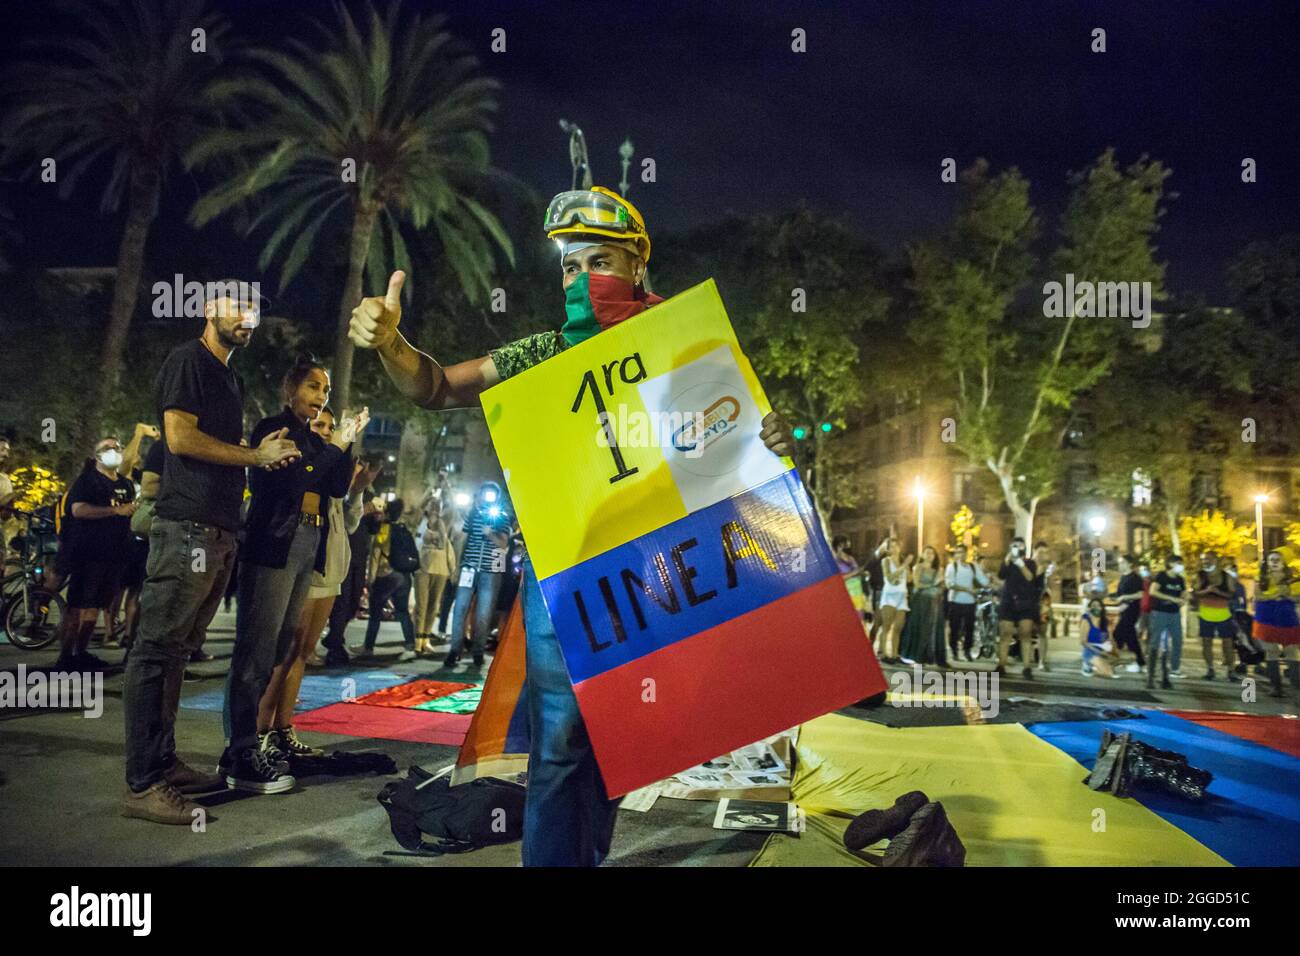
[580, 488]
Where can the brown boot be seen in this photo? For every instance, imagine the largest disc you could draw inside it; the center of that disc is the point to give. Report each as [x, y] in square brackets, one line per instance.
[161, 803]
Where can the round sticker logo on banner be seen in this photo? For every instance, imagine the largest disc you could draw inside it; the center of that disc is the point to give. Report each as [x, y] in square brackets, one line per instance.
[707, 443]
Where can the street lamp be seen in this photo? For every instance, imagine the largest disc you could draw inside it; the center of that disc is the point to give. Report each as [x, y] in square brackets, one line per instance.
[918, 489]
[1097, 524]
[1259, 524]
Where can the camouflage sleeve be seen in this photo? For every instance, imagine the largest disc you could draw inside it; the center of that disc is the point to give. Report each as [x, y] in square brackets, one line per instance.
[523, 354]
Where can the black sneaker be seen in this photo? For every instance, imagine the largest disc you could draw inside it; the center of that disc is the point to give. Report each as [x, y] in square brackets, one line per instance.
[225, 762]
[89, 662]
[337, 659]
[254, 772]
[1209, 675]
[1166, 684]
[269, 745]
[1027, 673]
[478, 660]
[287, 741]
[451, 660]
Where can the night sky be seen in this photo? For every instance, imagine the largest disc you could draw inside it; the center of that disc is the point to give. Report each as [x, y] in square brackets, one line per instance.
[860, 123]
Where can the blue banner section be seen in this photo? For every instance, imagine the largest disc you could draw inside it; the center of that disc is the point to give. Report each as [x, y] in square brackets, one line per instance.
[715, 564]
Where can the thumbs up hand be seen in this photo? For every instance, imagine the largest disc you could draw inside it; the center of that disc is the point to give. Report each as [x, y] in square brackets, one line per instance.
[374, 321]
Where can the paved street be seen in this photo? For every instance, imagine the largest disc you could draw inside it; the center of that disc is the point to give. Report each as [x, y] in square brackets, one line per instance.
[62, 778]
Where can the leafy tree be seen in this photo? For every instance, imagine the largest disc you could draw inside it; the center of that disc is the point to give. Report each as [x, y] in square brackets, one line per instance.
[965, 529]
[810, 360]
[120, 88]
[379, 126]
[1211, 531]
[1168, 415]
[1264, 279]
[1011, 373]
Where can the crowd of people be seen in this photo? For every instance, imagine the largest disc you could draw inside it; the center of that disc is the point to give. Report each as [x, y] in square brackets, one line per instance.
[310, 549]
[924, 612]
[152, 540]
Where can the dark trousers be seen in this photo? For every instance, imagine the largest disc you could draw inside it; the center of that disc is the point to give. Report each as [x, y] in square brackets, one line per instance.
[266, 624]
[1126, 635]
[961, 627]
[188, 567]
[396, 585]
[345, 609]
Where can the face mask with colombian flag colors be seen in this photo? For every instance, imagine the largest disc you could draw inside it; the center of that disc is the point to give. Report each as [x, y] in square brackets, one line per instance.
[595, 302]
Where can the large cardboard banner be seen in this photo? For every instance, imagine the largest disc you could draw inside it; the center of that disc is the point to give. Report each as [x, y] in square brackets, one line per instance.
[694, 595]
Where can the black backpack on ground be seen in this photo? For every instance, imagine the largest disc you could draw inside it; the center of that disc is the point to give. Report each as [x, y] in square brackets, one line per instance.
[481, 813]
[403, 555]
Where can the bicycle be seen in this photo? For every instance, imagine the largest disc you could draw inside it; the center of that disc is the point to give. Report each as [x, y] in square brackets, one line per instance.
[31, 614]
[986, 625]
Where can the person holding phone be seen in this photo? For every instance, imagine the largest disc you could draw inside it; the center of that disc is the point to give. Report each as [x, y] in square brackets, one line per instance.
[1019, 609]
[893, 601]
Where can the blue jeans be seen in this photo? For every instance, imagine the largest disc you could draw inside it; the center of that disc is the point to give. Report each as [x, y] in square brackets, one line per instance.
[486, 586]
[568, 820]
[1166, 629]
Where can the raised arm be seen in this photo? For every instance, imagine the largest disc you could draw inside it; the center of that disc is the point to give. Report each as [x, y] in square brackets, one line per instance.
[416, 374]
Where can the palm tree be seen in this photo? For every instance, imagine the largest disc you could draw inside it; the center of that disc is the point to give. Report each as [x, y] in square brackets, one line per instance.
[124, 90]
[377, 126]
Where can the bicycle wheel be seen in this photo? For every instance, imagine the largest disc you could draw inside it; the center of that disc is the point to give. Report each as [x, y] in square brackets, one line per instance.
[32, 620]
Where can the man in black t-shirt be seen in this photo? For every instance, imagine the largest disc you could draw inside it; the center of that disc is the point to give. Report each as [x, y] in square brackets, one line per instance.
[102, 502]
[200, 402]
[1168, 595]
[1019, 607]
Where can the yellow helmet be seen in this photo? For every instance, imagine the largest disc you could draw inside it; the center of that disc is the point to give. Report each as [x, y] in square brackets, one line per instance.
[597, 212]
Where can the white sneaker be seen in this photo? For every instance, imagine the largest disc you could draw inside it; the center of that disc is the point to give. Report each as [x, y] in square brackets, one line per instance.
[1176, 675]
[1085, 672]
[1133, 669]
[406, 656]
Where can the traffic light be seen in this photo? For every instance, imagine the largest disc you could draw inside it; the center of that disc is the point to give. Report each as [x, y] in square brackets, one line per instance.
[800, 433]
[827, 426]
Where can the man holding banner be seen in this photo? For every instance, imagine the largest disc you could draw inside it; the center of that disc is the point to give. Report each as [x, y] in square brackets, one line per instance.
[604, 249]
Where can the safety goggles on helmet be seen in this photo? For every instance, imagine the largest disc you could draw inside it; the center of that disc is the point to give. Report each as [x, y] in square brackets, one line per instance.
[596, 211]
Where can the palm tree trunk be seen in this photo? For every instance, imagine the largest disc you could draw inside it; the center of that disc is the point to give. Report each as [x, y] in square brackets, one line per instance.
[363, 227]
[143, 206]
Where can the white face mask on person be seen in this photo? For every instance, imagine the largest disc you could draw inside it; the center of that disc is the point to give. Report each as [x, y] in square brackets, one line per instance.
[1178, 569]
[110, 457]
